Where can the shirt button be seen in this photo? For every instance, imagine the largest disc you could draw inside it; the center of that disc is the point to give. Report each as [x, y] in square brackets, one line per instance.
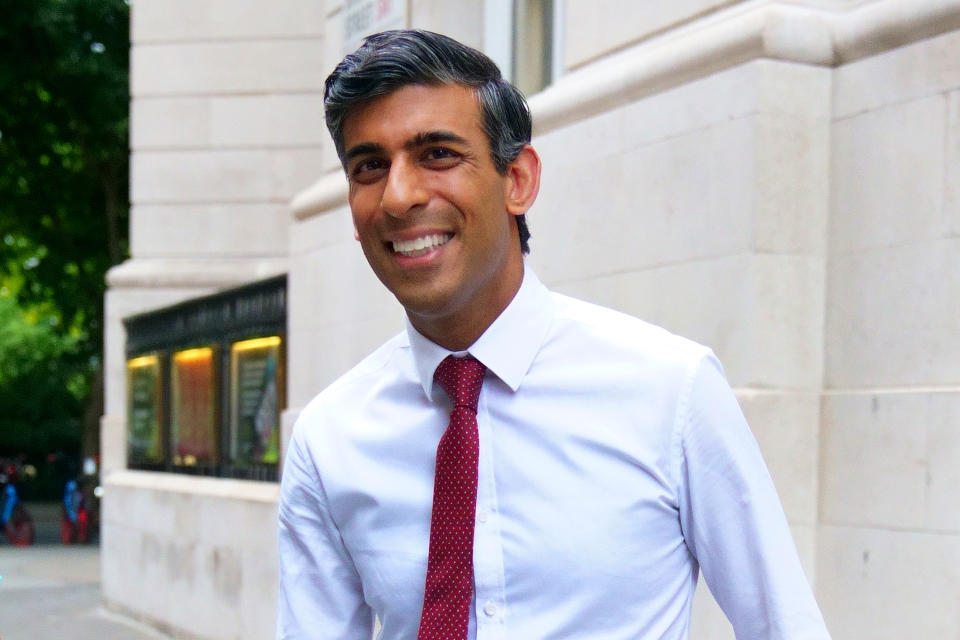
[490, 608]
[482, 515]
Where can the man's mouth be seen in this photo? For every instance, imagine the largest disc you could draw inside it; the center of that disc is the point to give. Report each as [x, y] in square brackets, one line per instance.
[420, 246]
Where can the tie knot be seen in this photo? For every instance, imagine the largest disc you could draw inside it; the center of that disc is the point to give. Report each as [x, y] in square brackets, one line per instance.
[461, 378]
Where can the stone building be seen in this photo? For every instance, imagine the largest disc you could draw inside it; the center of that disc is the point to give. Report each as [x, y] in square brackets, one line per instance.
[779, 180]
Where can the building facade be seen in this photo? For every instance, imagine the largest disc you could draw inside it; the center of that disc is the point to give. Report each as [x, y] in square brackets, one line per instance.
[779, 180]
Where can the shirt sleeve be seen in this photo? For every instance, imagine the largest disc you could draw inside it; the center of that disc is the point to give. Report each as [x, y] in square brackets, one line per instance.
[732, 519]
[320, 596]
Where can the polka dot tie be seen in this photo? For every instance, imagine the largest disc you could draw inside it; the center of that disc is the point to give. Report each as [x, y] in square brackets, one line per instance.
[449, 585]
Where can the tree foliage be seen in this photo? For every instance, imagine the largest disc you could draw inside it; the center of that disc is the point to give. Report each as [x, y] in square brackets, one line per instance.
[64, 101]
[37, 416]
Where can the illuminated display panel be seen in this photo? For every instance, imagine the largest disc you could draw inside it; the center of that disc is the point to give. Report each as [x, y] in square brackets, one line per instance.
[207, 383]
[144, 407]
[193, 402]
[256, 396]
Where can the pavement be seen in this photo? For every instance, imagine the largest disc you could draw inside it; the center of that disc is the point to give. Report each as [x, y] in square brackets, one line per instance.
[51, 591]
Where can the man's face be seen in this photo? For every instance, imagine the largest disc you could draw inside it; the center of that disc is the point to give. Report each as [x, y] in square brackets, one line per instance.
[430, 211]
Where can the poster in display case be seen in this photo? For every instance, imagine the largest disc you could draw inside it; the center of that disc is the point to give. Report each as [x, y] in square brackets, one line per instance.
[193, 407]
[207, 383]
[144, 406]
[255, 389]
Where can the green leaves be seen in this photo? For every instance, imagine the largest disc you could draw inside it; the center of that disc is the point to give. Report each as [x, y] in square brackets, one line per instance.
[43, 382]
[64, 101]
[30, 346]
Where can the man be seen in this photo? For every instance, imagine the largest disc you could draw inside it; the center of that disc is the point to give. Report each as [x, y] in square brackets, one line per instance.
[592, 463]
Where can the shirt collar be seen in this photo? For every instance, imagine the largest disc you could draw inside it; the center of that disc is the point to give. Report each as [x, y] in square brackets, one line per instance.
[509, 344]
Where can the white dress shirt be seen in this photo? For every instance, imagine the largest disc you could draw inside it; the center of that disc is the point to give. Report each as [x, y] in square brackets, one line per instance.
[614, 464]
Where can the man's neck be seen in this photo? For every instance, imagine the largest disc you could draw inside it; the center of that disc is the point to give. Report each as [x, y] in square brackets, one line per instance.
[460, 331]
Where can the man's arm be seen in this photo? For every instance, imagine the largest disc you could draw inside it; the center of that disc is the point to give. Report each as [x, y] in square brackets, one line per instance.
[320, 595]
[732, 519]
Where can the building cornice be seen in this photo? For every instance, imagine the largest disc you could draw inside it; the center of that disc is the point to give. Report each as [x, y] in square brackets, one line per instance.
[779, 32]
[207, 273]
[326, 194]
[224, 488]
[791, 33]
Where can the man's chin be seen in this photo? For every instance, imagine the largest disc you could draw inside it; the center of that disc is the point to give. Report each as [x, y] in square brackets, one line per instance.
[422, 304]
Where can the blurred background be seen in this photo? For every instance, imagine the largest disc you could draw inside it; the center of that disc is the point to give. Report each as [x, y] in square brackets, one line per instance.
[777, 179]
[64, 155]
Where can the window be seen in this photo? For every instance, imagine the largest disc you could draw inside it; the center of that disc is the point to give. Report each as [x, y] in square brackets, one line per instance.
[532, 44]
[524, 38]
[255, 386]
[205, 384]
[144, 403]
[193, 408]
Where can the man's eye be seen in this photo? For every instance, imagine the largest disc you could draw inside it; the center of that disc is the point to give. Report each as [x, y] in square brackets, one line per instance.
[440, 157]
[368, 170]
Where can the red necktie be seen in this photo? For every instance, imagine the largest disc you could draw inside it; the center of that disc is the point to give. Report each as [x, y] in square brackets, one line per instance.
[446, 598]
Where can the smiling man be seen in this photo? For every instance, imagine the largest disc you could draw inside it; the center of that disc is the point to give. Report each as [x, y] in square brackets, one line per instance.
[429, 207]
[515, 464]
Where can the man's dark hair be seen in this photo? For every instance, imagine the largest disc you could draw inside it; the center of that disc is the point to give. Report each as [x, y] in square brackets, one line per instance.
[391, 60]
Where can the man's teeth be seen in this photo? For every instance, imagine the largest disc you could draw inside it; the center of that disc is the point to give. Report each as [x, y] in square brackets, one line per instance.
[419, 246]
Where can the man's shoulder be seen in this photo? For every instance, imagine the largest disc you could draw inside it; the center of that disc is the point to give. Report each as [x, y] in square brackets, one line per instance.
[605, 329]
[349, 388]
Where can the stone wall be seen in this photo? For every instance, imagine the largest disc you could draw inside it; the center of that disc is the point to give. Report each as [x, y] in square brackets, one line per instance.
[778, 180]
[193, 557]
[226, 126]
[889, 552]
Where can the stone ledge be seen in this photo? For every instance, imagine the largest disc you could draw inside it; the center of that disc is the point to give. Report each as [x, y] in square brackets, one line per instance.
[780, 32]
[211, 272]
[231, 488]
[326, 194]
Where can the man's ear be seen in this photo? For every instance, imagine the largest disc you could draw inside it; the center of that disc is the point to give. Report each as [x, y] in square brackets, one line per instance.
[523, 181]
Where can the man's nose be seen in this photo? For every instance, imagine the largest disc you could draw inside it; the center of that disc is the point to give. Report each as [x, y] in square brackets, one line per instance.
[404, 189]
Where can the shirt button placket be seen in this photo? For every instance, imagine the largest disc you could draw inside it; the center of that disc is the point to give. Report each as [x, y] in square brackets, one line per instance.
[489, 610]
[486, 607]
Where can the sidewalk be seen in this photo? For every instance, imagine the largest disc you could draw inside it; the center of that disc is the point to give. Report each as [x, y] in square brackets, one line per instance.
[50, 591]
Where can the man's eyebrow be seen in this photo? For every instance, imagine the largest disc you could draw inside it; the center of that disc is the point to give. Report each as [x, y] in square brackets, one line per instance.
[362, 149]
[433, 137]
[421, 139]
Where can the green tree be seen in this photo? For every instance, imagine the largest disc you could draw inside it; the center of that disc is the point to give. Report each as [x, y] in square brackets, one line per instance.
[64, 102]
[37, 416]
